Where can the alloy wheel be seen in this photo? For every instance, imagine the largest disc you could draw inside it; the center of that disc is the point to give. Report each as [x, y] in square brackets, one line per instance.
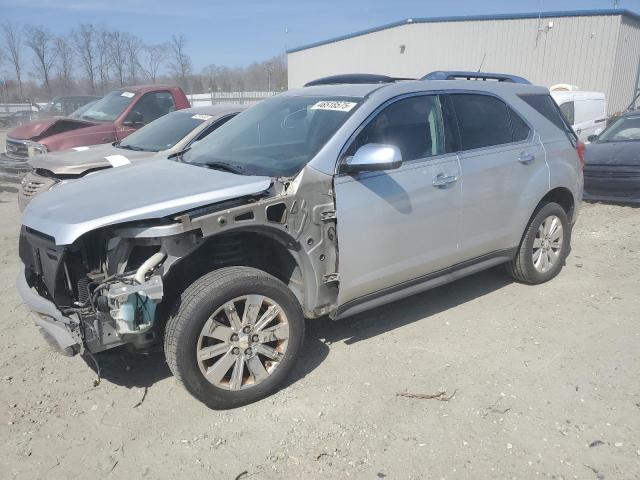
[243, 342]
[547, 245]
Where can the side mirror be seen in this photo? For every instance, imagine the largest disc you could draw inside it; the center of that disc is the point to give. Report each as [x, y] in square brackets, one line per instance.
[373, 157]
[592, 138]
[133, 119]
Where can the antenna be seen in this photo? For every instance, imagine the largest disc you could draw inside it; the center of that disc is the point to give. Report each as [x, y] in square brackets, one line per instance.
[482, 62]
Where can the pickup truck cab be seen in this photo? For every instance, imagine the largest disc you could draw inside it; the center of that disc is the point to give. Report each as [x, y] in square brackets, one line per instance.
[108, 120]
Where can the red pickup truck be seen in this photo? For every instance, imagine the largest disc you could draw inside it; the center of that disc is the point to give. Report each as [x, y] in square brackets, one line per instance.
[110, 119]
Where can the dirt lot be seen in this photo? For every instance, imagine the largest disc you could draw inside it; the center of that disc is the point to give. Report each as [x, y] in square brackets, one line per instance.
[540, 381]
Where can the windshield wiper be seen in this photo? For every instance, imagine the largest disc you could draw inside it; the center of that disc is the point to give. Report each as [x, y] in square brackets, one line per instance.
[228, 167]
[179, 154]
[131, 147]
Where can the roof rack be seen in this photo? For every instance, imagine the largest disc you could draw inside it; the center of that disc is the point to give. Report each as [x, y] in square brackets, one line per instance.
[462, 75]
[354, 78]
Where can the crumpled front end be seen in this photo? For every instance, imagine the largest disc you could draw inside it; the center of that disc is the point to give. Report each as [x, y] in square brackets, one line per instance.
[82, 301]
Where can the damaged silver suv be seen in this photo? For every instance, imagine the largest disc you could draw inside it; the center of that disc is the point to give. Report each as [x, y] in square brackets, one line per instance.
[320, 202]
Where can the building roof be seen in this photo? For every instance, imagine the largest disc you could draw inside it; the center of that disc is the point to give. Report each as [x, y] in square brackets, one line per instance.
[475, 18]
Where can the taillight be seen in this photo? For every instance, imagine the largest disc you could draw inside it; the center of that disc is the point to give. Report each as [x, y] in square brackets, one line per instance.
[580, 148]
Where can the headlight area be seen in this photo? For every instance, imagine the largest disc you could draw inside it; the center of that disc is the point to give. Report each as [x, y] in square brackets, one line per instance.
[122, 297]
[113, 284]
[34, 148]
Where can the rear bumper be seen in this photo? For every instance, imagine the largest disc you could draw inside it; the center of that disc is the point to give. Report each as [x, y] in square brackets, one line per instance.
[54, 326]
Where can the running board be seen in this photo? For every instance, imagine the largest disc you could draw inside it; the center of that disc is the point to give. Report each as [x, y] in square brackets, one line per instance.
[422, 284]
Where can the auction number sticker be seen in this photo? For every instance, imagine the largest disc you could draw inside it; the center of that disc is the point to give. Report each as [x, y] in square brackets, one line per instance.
[201, 116]
[127, 94]
[117, 160]
[336, 106]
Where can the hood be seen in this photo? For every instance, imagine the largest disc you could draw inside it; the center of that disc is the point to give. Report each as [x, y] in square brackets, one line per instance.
[79, 160]
[141, 191]
[46, 127]
[613, 153]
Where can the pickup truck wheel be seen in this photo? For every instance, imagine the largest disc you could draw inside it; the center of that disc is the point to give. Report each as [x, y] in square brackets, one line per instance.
[234, 336]
[544, 246]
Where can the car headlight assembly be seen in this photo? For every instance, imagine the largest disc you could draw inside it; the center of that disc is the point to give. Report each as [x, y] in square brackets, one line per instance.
[36, 149]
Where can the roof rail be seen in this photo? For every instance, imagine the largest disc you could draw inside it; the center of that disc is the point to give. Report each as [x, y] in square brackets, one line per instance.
[462, 75]
[354, 78]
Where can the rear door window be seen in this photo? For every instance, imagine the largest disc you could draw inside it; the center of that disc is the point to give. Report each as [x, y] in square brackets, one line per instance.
[483, 121]
[520, 129]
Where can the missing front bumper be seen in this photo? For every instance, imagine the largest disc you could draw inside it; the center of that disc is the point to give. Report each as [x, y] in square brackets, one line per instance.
[61, 332]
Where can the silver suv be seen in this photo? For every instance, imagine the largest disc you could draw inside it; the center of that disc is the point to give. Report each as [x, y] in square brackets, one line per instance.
[323, 201]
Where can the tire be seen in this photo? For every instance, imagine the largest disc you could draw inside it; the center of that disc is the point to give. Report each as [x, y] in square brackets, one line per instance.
[214, 301]
[523, 268]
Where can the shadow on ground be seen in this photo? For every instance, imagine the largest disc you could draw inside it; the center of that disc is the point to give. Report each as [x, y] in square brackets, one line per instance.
[129, 369]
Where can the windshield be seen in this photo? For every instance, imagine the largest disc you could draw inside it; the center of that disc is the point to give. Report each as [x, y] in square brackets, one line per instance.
[78, 113]
[109, 107]
[277, 137]
[164, 133]
[624, 129]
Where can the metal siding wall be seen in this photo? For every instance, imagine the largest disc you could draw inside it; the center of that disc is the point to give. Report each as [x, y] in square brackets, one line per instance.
[577, 50]
[627, 62]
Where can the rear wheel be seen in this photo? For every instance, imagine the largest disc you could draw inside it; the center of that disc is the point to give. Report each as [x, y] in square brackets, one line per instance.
[544, 246]
[234, 336]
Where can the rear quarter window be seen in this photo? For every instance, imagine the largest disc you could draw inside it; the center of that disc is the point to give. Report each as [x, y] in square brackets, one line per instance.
[547, 107]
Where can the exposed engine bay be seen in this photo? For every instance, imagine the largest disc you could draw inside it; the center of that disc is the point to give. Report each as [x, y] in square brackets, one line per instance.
[117, 284]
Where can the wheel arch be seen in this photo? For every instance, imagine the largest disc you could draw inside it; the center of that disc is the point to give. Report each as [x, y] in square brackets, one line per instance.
[560, 195]
[265, 248]
[563, 197]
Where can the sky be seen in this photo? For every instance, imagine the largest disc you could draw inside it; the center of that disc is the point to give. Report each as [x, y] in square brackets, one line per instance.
[236, 33]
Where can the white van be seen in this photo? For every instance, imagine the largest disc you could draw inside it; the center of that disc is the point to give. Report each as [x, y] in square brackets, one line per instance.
[585, 111]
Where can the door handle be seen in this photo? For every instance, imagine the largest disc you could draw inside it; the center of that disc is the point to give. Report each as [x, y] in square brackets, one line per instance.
[442, 180]
[526, 158]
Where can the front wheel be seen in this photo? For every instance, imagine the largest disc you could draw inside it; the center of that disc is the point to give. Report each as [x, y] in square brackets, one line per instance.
[234, 336]
[544, 246]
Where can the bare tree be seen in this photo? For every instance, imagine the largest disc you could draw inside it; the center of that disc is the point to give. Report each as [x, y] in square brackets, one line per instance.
[180, 62]
[103, 57]
[118, 54]
[152, 59]
[13, 45]
[64, 65]
[84, 40]
[40, 41]
[133, 48]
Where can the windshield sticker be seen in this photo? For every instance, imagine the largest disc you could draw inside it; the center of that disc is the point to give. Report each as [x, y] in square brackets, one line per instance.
[80, 149]
[333, 105]
[117, 160]
[127, 94]
[201, 116]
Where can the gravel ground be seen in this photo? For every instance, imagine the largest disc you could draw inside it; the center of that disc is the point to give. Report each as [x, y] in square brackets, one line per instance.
[540, 382]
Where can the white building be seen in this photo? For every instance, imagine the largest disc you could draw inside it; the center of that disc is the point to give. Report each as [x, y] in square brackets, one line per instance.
[596, 49]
